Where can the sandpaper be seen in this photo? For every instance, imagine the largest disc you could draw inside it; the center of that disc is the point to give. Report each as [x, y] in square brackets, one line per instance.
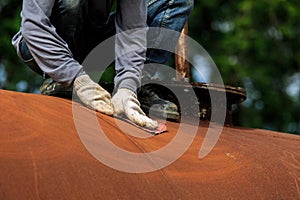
[160, 128]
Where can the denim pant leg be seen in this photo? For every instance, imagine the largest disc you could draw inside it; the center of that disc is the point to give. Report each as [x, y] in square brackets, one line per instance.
[169, 14]
[27, 58]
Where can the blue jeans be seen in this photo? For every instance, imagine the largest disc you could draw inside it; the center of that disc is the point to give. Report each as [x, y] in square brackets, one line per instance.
[83, 27]
[169, 14]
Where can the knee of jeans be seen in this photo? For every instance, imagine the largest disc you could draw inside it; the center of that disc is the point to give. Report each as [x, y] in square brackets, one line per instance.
[24, 52]
[27, 58]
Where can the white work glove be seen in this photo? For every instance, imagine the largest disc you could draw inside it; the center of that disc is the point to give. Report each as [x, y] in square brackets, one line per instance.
[92, 94]
[126, 102]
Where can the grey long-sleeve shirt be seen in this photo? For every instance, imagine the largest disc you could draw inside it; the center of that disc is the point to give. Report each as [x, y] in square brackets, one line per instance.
[54, 57]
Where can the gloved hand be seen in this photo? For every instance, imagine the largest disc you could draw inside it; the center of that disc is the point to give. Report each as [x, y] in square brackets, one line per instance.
[92, 94]
[126, 102]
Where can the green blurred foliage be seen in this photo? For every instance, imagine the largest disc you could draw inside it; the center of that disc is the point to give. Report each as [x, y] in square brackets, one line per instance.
[255, 45]
[13, 73]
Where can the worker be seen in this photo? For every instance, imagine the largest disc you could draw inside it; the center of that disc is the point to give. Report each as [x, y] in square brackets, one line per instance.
[55, 37]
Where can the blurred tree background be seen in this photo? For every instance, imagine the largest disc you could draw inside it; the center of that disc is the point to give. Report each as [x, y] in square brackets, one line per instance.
[255, 45]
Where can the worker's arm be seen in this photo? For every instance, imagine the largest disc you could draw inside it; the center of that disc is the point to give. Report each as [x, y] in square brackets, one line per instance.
[131, 42]
[48, 49]
[131, 45]
[53, 56]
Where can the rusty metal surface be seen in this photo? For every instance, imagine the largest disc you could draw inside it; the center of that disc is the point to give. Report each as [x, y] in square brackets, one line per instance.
[42, 157]
[234, 94]
[198, 96]
[181, 63]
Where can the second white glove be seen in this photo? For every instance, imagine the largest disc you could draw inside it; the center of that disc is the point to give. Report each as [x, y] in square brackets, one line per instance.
[125, 102]
[92, 94]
